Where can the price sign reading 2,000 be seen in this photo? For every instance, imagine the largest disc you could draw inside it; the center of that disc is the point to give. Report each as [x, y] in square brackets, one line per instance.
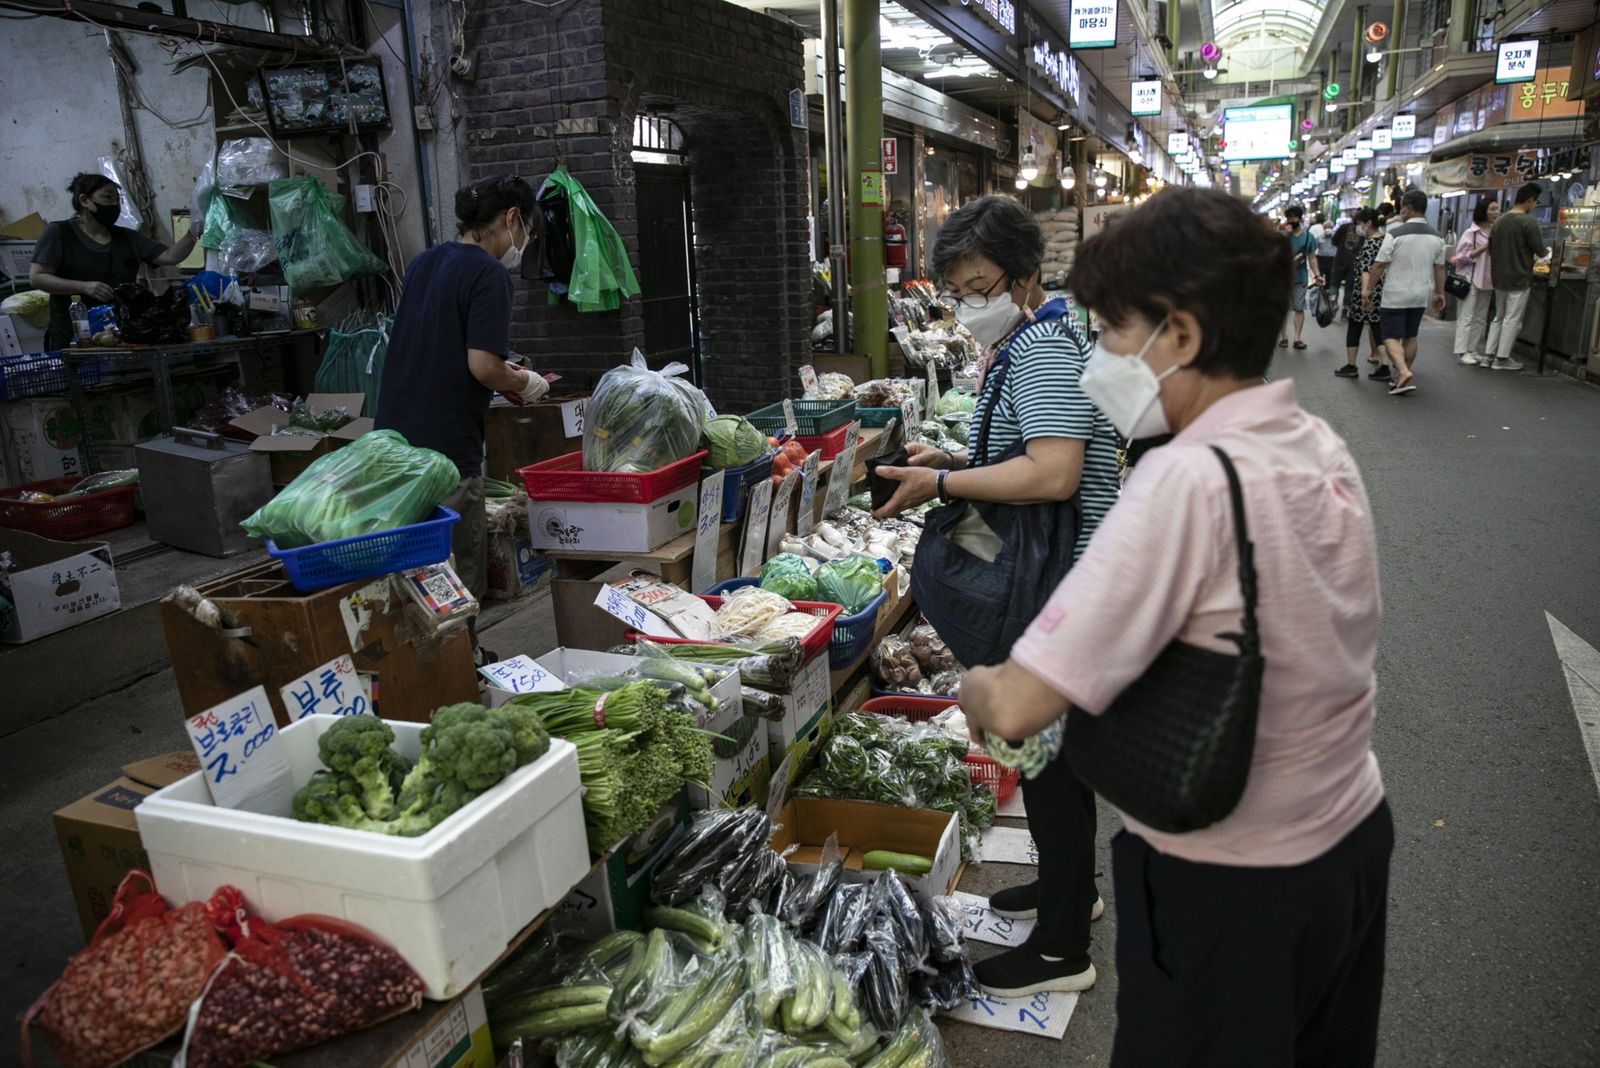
[258, 739]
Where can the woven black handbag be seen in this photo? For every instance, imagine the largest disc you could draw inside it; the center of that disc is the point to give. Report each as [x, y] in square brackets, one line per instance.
[1173, 750]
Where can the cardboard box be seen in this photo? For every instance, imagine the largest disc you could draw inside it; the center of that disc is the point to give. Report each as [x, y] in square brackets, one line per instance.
[57, 585]
[602, 526]
[614, 896]
[515, 569]
[579, 624]
[40, 437]
[806, 714]
[742, 776]
[291, 454]
[460, 1040]
[163, 770]
[28, 228]
[518, 435]
[862, 827]
[99, 845]
[10, 343]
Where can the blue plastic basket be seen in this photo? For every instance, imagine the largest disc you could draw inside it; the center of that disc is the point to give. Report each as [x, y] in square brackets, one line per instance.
[736, 485]
[851, 634]
[332, 563]
[41, 374]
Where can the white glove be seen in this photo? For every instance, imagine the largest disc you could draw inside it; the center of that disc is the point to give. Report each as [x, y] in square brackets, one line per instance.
[533, 387]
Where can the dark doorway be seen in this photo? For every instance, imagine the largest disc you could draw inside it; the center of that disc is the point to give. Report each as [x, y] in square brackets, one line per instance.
[666, 265]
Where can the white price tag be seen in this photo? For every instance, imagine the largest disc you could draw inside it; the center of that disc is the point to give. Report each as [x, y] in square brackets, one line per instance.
[572, 417]
[808, 494]
[908, 413]
[521, 674]
[778, 526]
[980, 924]
[886, 442]
[241, 755]
[1007, 845]
[791, 423]
[757, 513]
[708, 527]
[1044, 1014]
[334, 688]
[808, 379]
[843, 470]
[619, 605]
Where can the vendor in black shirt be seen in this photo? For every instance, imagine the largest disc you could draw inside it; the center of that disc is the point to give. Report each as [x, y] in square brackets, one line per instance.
[90, 254]
[448, 348]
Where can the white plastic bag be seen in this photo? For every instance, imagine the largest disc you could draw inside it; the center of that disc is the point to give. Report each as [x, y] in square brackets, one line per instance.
[641, 420]
[130, 217]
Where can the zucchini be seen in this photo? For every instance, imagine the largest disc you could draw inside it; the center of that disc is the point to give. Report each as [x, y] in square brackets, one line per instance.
[904, 863]
[701, 928]
[714, 996]
[790, 1058]
[561, 997]
[905, 1043]
[557, 1021]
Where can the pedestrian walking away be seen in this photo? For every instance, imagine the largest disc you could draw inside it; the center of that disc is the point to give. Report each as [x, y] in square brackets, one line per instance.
[1259, 939]
[1472, 260]
[987, 257]
[1322, 230]
[1514, 243]
[1361, 312]
[1347, 242]
[1411, 261]
[1303, 257]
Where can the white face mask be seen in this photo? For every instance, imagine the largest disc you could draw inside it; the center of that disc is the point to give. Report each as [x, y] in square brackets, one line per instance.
[1128, 390]
[990, 323]
[512, 256]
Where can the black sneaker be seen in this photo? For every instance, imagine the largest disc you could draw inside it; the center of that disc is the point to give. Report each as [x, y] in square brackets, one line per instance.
[484, 657]
[1381, 374]
[1017, 902]
[1347, 371]
[1023, 971]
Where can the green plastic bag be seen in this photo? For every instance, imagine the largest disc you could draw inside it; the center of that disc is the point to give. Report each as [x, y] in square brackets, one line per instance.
[377, 482]
[601, 274]
[315, 247]
[354, 360]
[225, 217]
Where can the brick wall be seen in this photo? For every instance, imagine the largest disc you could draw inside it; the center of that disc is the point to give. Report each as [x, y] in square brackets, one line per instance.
[723, 74]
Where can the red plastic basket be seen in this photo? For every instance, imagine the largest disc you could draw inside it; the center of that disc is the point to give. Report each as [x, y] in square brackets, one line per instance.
[981, 769]
[564, 479]
[70, 519]
[831, 444]
[813, 643]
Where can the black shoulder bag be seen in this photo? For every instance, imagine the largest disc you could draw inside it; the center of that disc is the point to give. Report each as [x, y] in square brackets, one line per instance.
[983, 571]
[1173, 750]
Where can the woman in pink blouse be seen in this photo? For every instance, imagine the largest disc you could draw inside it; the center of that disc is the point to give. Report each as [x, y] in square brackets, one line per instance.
[1258, 940]
[1471, 258]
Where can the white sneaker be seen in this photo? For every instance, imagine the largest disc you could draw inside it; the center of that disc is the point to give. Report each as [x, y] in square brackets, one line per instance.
[1506, 365]
[1467, 359]
[1099, 909]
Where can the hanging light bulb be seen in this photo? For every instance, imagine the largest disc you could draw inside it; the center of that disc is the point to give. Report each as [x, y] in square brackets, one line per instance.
[1330, 107]
[1374, 53]
[1099, 178]
[1022, 183]
[1210, 73]
[1101, 193]
[1069, 178]
[1030, 165]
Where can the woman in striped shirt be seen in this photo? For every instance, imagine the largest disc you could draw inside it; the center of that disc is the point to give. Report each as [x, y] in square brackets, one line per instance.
[987, 258]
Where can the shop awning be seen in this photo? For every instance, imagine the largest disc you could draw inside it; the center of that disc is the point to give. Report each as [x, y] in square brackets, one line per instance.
[1512, 136]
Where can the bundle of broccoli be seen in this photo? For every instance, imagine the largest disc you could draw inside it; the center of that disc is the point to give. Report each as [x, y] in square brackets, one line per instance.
[369, 787]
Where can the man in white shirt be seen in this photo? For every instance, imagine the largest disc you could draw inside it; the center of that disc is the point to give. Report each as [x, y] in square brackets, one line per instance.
[1411, 265]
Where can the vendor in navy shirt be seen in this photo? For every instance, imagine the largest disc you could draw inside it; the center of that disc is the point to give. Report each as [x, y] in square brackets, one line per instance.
[447, 351]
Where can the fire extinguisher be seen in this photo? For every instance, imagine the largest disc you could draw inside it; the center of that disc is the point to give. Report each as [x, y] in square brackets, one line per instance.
[894, 243]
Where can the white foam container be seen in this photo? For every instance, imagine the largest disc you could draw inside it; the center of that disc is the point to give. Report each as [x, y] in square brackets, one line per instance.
[448, 901]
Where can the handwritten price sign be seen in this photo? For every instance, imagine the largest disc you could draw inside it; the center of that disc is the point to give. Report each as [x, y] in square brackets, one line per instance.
[980, 924]
[241, 754]
[334, 688]
[1008, 845]
[620, 605]
[520, 674]
[1044, 1014]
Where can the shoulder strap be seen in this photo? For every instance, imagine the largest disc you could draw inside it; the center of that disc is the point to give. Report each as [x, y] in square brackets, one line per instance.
[1250, 639]
[980, 455]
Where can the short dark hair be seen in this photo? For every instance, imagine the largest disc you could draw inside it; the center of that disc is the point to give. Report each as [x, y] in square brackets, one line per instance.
[1238, 289]
[1320, 217]
[997, 228]
[1416, 200]
[1294, 211]
[1386, 209]
[481, 203]
[1367, 216]
[87, 185]
[1480, 210]
[1531, 191]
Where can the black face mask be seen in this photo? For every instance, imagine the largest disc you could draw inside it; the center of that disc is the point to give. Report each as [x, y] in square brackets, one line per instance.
[107, 214]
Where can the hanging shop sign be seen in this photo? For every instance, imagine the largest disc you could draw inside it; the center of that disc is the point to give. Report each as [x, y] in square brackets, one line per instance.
[1059, 68]
[1483, 170]
[1364, 148]
[1518, 61]
[1321, 174]
[1382, 139]
[889, 147]
[1404, 127]
[1145, 98]
[1177, 143]
[1349, 157]
[1001, 14]
[872, 189]
[1092, 24]
[1546, 97]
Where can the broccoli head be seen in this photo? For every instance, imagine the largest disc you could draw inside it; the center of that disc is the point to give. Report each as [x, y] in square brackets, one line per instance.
[359, 746]
[467, 744]
[335, 800]
[527, 731]
[428, 805]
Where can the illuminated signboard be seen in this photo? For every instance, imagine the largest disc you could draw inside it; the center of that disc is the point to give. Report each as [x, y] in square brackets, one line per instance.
[1518, 62]
[1260, 132]
[1001, 13]
[1146, 98]
[1382, 139]
[1404, 127]
[1092, 24]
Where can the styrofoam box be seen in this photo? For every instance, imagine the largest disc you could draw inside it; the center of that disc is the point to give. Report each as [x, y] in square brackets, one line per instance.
[612, 526]
[448, 901]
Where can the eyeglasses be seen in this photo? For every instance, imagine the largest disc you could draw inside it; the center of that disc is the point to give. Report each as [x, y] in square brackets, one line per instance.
[975, 301]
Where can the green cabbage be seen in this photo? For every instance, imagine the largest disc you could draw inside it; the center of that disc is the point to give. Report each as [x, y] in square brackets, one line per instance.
[732, 441]
[788, 576]
[853, 582]
[956, 402]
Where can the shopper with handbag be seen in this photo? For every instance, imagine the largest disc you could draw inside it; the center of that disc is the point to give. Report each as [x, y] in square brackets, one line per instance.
[1472, 260]
[1212, 653]
[1020, 505]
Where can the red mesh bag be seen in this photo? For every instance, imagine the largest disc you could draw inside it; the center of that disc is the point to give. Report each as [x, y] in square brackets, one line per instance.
[293, 984]
[131, 988]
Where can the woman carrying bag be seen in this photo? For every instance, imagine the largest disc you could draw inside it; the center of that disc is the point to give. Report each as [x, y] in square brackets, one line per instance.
[1215, 648]
[1020, 504]
[1471, 258]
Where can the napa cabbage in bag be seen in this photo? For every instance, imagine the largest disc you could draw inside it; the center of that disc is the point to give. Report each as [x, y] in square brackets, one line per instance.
[377, 482]
[641, 420]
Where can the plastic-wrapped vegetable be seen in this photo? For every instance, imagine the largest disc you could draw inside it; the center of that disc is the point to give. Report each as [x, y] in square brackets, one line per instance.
[103, 481]
[815, 888]
[831, 385]
[903, 910]
[788, 575]
[732, 441]
[895, 664]
[955, 402]
[766, 665]
[377, 482]
[716, 840]
[916, 1043]
[640, 420]
[932, 654]
[746, 610]
[788, 625]
[885, 985]
[759, 704]
[947, 683]
[853, 582]
[769, 952]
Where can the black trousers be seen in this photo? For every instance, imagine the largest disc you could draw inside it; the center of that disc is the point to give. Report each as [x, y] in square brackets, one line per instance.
[1352, 334]
[1251, 967]
[1061, 817]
